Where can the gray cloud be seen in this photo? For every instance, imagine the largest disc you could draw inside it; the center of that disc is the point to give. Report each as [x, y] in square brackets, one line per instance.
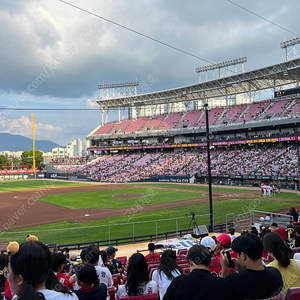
[59, 54]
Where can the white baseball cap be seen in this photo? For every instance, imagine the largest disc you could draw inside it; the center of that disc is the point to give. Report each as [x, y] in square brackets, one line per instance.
[209, 243]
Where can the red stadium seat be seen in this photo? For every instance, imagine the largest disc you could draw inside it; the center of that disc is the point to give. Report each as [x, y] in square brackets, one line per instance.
[151, 266]
[292, 294]
[153, 296]
[183, 265]
[186, 270]
[112, 292]
[122, 259]
[182, 251]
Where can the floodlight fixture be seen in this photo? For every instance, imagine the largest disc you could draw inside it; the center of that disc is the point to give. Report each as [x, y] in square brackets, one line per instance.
[290, 43]
[117, 85]
[222, 64]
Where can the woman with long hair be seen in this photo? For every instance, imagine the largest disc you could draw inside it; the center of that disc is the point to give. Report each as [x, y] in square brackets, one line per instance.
[88, 281]
[29, 269]
[138, 282]
[289, 268]
[166, 272]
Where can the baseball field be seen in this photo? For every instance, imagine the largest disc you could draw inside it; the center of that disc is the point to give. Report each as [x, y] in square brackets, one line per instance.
[64, 212]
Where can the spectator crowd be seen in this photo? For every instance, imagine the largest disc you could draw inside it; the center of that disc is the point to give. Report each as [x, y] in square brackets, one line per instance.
[263, 160]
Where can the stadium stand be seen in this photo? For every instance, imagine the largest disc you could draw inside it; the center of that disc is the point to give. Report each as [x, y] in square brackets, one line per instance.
[256, 111]
[136, 125]
[265, 160]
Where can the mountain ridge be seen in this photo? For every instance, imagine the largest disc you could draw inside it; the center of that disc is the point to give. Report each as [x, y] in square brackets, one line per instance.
[12, 142]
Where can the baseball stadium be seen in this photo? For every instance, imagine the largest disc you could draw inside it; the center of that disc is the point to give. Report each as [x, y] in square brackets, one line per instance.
[178, 165]
[156, 169]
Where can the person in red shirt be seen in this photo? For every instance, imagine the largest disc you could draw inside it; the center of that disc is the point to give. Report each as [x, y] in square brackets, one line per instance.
[152, 256]
[223, 243]
[57, 266]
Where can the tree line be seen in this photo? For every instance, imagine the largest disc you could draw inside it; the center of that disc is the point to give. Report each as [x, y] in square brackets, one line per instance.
[26, 161]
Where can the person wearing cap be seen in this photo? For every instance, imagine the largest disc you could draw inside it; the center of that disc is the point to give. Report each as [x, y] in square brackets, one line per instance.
[254, 280]
[111, 254]
[283, 233]
[275, 245]
[223, 243]
[215, 266]
[152, 256]
[209, 243]
[199, 283]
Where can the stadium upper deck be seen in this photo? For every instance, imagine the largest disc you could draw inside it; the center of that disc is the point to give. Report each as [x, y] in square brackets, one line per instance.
[273, 115]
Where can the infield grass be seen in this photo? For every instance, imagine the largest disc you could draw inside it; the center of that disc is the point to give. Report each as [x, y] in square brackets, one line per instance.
[109, 198]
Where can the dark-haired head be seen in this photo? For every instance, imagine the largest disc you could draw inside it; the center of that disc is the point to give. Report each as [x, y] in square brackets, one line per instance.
[86, 275]
[151, 246]
[248, 243]
[199, 255]
[90, 254]
[168, 264]
[231, 231]
[276, 246]
[137, 273]
[29, 267]
[58, 260]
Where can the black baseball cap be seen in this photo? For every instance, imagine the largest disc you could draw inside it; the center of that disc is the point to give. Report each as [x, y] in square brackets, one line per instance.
[111, 250]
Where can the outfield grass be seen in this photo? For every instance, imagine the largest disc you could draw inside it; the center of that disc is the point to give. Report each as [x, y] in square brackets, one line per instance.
[21, 185]
[143, 223]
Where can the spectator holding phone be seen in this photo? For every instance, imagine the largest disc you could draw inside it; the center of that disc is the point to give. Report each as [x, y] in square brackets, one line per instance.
[223, 244]
[254, 280]
[58, 263]
[199, 283]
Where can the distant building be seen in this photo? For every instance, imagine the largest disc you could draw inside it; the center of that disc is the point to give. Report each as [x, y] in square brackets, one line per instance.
[47, 157]
[74, 148]
[59, 152]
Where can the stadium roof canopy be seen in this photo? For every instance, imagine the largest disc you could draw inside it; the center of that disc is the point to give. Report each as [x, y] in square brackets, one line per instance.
[282, 74]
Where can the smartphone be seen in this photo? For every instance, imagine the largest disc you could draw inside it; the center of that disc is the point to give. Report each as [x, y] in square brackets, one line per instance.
[231, 263]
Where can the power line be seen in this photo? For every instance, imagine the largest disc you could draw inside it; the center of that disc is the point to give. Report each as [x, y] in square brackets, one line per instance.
[253, 13]
[137, 32]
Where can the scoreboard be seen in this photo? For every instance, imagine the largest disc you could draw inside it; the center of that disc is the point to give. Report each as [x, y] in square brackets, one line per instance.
[286, 92]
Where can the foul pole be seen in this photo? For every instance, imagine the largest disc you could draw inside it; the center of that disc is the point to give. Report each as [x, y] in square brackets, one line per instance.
[33, 144]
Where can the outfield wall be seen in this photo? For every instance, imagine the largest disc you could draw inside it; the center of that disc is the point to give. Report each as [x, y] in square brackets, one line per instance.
[21, 174]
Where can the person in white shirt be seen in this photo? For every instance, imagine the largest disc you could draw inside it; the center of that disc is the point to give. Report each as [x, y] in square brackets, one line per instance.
[138, 282]
[30, 276]
[166, 272]
[91, 255]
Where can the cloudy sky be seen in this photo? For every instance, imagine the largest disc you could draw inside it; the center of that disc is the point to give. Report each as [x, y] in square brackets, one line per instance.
[53, 55]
